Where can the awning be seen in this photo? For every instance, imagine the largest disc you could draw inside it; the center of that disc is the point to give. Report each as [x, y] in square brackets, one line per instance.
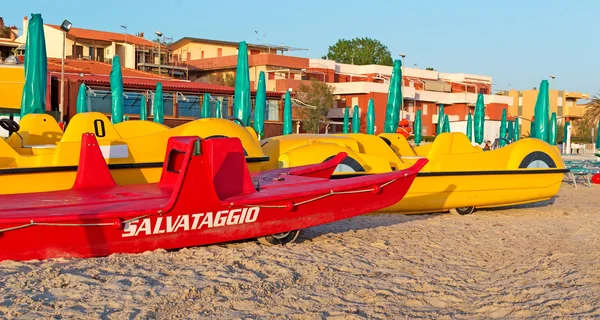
[436, 85]
[338, 113]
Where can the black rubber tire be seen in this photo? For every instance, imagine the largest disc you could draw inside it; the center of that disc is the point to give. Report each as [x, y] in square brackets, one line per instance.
[280, 238]
[350, 162]
[464, 211]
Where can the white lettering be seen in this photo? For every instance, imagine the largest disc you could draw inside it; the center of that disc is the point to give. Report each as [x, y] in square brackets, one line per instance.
[171, 226]
[220, 218]
[144, 226]
[157, 229]
[243, 216]
[130, 228]
[233, 217]
[196, 220]
[184, 223]
[208, 220]
[252, 214]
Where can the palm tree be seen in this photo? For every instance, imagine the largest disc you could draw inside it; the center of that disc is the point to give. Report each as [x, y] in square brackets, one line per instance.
[592, 112]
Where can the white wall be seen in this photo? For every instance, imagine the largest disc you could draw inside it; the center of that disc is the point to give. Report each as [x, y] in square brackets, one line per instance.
[491, 129]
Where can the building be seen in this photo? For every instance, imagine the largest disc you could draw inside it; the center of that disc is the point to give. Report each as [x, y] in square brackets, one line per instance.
[564, 103]
[134, 51]
[423, 90]
[215, 61]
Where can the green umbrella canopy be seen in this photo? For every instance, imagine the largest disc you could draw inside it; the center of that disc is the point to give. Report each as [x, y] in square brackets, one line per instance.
[218, 109]
[371, 117]
[417, 128]
[446, 123]
[356, 120]
[479, 119]
[541, 112]
[510, 131]
[33, 99]
[261, 104]
[552, 129]
[517, 131]
[470, 127]
[287, 114]
[143, 108]
[159, 104]
[394, 103]
[565, 127]
[503, 128]
[205, 112]
[532, 128]
[116, 90]
[346, 120]
[441, 118]
[82, 99]
[241, 95]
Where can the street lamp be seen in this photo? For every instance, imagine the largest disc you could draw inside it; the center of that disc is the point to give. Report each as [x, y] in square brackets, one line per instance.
[553, 77]
[159, 34]
[402, 55]
[65, 27]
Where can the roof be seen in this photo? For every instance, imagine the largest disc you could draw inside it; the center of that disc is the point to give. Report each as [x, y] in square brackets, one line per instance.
[184, 40]
[96, 68]
[167, 84]
[107, 36]
[9, 43]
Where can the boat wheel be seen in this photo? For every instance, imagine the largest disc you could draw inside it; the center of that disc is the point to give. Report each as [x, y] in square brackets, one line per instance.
[279, 238]
[462, 211]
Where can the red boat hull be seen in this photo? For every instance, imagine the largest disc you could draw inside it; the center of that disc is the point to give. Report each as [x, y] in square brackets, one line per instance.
[201, 199]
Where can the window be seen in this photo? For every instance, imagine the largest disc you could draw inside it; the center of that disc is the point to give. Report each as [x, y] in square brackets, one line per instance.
[190, 108]
[424, 109]
[354, 101]
[272, 111]
[219, 52]
[411, 108]
[202, 54]
[188, 56]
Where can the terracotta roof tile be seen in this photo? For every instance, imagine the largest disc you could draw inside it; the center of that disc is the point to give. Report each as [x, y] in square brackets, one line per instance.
[107, 36]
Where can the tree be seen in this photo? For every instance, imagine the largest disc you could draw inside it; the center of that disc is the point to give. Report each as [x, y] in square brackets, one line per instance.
[163, 42]
[592, 112]
[222, 79]
[360, 51]
[430, 69]
[318, 95]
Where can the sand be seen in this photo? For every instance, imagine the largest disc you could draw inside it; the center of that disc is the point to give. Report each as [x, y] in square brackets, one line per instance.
[539, 262]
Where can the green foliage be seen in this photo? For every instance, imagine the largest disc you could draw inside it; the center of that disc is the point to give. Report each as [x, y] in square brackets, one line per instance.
[5, 32]
[360, 51]
[163, 42]
[319, 95]
[583, 132]
[560, 132]
[222, 79]
[592, 112]
[430, 69]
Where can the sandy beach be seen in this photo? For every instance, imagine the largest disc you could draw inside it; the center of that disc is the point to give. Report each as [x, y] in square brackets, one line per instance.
[540, 262]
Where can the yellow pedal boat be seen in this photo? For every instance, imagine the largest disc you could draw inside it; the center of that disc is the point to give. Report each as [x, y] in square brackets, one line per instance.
[40, 157]
[459, 177]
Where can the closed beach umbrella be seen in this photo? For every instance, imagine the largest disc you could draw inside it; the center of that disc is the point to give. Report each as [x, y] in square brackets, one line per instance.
[205, 112]
[392, 112]
[598, 136]
[159, 104]
[441, 118]
[479, 118]
[356, 120]
[218, 110]
[143, 108]
[287, 114]
[371, 117]
[346, 120]
[261, 104]
[446, 123]
[116, 90]
[33, 99]
[417, 128]
[241, 95]
[503, 128]
[552, 129]
[565, 128]
[470, 127]
[510, 131]
[541, 112]
[517, 131]
[82, 99]
[532, 128]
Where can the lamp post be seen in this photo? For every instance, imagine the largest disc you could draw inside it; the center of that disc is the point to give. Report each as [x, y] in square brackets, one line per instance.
[402, 55]
[159, 34]
[65, 27]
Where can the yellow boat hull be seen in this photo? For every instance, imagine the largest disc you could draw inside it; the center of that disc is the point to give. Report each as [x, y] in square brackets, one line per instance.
[46, 159]
[457, 176]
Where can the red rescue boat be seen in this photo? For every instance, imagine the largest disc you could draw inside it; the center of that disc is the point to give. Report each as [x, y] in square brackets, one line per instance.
[205, 195]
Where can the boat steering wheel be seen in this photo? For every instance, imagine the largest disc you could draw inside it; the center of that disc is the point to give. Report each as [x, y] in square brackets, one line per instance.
[238, 120]
[496, 144]
[10, 126]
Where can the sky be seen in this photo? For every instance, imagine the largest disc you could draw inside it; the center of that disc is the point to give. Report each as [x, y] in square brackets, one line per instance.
[517, 43]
